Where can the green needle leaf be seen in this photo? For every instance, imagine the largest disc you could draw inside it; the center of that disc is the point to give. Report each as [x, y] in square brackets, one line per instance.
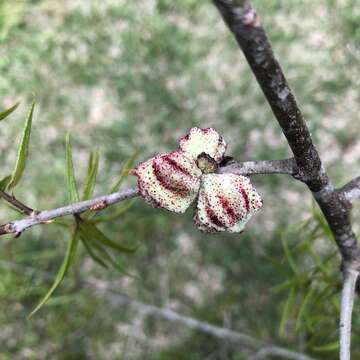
[91, 252]
[303, 308]
[91, 176]
[69, 256]
[287, 311]
[96, 250]
[4, 114]
[73, 193]
[288, 254]
[124, 171]
[23, 150]
[4, 182]
[328, 347]
[101, 256]
[92, 232]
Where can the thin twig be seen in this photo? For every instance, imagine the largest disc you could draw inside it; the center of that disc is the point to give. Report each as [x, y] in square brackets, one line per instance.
[286, 166]
[115, 299]
[351, 190]
[234, 337]
[46, 216]
[248, 168]
[347, 303]
[11, 199]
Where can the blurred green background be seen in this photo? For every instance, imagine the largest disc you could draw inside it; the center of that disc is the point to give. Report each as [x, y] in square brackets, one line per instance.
[126, 75]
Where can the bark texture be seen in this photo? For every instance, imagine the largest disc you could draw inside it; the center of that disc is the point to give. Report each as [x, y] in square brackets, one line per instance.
[244, 23]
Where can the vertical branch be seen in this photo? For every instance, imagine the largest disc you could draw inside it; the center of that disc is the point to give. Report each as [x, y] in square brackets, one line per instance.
[244, 22]
[347, 303]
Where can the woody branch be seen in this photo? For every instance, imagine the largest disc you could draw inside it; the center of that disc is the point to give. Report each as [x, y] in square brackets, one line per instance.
[246, 168]
[46, 216]
[244, 23]
[286, 166]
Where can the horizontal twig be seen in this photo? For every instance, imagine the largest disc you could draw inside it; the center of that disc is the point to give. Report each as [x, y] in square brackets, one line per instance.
[351, 190]
[248, 168]
[46, 216]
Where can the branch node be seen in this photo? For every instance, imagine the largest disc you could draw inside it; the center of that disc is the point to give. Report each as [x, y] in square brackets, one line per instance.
[99, 206]
[34, 213]
[6, 229]
[251, 18]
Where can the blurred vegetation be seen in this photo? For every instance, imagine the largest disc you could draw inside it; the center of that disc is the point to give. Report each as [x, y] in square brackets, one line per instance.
[122, 76]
